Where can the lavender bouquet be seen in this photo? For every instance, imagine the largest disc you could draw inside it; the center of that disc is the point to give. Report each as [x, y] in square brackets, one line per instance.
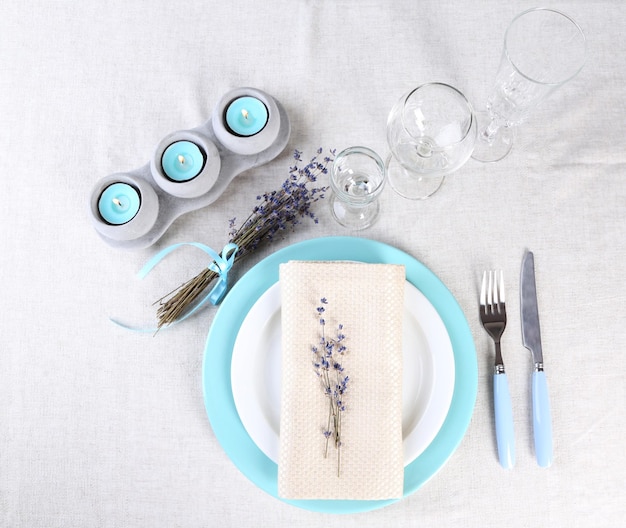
[278, 211]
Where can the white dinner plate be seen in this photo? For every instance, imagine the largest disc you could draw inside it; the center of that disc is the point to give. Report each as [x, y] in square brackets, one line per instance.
[427, 381]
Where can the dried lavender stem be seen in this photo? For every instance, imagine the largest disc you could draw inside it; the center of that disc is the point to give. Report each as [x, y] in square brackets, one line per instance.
[170, 310]
[330, 413]
[339, 452]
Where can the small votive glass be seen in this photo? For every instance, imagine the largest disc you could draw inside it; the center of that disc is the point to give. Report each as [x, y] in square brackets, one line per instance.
[357, 178]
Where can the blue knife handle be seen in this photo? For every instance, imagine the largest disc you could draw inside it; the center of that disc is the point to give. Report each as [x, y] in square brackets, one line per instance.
[504, 420]
[542, 423]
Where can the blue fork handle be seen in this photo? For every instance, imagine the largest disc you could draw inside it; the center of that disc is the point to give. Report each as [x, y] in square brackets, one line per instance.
[504, 420]
[542, 423]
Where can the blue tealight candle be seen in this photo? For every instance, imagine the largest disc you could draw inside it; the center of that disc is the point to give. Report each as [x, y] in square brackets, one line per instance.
[119, 203]
[182, 161]
[246, 116]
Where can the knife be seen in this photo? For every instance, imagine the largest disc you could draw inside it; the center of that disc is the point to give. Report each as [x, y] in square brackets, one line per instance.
[531, 337]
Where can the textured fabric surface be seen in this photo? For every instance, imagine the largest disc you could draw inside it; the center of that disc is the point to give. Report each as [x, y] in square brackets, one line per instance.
[367, 300]
[101, 427]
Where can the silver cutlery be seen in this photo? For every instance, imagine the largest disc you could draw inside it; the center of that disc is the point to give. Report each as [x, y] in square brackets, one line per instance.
[531, 337]
[493, 319]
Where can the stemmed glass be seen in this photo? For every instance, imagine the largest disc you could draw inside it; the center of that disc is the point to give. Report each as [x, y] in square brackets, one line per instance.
[357, 178]
[431, 132]
[543, 49]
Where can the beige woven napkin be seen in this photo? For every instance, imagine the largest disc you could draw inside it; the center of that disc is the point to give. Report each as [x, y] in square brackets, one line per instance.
[368, 300]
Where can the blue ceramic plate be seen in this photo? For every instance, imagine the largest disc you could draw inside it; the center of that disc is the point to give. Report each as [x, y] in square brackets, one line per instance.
[216, 375]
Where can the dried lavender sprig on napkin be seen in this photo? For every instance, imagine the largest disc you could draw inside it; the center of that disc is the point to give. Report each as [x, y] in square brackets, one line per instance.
[277, 211]
[326, 363]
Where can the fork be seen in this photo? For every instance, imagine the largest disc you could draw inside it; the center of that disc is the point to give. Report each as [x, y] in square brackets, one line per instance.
[493, 319]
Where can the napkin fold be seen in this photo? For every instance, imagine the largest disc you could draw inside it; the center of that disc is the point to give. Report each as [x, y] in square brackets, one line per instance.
[368, 300]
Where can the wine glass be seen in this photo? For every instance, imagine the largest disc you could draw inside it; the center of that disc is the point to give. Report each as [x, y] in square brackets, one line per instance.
[543, 49]
[431, 132]
[357, 178]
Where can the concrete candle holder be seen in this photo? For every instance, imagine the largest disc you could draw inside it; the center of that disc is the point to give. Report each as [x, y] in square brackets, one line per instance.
[226, 151]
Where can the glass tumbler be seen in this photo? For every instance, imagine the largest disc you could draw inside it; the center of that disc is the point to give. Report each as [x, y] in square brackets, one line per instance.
[357, 178]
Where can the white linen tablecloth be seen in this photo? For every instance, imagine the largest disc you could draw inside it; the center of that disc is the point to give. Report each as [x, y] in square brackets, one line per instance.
[103, 427]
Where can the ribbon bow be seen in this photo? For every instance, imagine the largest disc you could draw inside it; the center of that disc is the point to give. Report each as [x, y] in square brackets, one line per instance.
[221, 264]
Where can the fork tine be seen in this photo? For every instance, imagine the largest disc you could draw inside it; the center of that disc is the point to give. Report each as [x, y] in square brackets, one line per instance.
[501, 287]
[496, 289]
[483, 290]
[490, 290]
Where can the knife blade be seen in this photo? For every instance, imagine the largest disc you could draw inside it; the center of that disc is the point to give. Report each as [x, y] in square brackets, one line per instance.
[531, 338]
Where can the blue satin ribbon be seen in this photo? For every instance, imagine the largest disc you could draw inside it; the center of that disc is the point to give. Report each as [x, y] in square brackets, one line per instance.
[221, 264]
